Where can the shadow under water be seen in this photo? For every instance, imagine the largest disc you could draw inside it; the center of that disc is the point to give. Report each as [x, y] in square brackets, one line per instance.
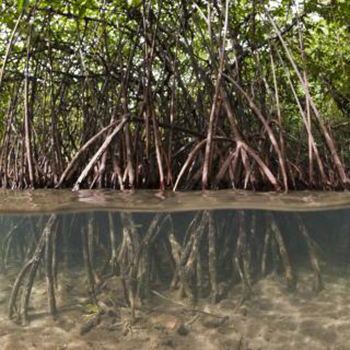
[200, 279]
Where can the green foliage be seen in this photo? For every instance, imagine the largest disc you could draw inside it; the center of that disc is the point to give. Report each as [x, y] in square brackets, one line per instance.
[134, 3]
[84, 51]
[22, 4]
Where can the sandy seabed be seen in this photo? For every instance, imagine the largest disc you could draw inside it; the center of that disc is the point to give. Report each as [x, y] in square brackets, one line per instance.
[272, 319]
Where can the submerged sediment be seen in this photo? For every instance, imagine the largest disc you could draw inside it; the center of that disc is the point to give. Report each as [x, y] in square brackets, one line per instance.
[229, 279]
[272, 319]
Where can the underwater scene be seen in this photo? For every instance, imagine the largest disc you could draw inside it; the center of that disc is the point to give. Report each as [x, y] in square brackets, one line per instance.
[233, 279]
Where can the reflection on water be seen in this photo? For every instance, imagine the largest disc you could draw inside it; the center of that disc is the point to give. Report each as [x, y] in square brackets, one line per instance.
[209, 279]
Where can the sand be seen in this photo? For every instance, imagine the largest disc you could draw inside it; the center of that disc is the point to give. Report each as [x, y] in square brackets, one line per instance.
[273, 318]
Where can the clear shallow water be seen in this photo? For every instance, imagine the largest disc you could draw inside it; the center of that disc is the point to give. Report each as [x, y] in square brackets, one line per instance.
[165, 273]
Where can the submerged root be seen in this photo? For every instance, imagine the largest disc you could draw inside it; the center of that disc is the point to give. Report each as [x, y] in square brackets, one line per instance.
[30, 269]
[187, 277]
[207, 261]
[7, 243]
[176, 250]
[144, 256]
[265, 251]
[289, 273]
[240, 259]
[49, 274]
[212, 259]
[318, 285]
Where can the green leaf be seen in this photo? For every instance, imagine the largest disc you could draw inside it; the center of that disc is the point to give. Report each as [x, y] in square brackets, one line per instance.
[92, 308]
[22, 4]
[82, 12]
[134, 3]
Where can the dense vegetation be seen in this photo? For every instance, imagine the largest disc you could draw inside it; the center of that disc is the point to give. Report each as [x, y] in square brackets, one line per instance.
[175, 94]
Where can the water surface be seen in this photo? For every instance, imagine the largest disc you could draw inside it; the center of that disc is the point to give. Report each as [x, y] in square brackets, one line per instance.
[46, 201]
